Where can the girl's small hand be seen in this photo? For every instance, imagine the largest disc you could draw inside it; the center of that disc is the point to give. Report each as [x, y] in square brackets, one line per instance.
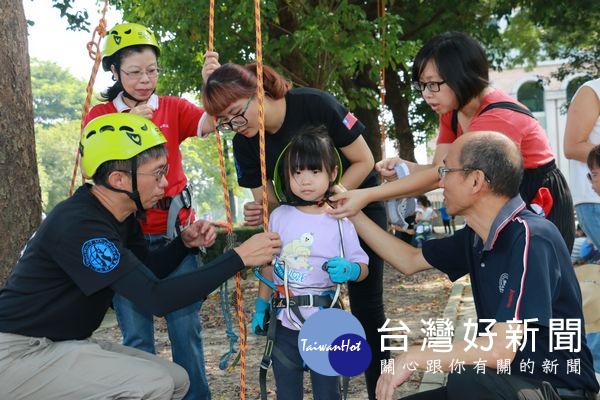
[211, 62]
[144, 110]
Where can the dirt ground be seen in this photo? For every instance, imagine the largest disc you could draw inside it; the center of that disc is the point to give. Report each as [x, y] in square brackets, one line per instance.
[409, 299]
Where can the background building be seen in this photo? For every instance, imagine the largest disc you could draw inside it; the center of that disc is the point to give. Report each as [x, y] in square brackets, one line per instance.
[545, 96]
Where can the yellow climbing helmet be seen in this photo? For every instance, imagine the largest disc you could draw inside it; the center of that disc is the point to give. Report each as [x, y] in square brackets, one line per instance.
[125, 35]
[117, 136]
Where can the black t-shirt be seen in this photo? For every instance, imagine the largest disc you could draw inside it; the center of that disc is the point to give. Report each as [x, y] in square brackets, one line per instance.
[80, 256]
[304, 107]
[60, 285]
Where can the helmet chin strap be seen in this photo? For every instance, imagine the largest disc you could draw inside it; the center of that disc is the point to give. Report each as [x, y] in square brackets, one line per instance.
[130, 97]
[134, 194]
[320, 203]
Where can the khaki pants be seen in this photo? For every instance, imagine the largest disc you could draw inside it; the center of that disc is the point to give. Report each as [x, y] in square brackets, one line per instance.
[38, 368]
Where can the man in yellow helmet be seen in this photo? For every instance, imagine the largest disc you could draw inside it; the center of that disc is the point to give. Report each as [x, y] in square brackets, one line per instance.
[89, 248]
[131, 54]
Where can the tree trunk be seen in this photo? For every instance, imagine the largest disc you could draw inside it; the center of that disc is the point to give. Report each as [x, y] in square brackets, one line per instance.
[20, 201]
[398, 103]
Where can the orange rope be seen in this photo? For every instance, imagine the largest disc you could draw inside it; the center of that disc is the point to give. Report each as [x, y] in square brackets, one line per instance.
[93, 47]
[260, 95]
[381, 15]
[211, 25]
[238, 276]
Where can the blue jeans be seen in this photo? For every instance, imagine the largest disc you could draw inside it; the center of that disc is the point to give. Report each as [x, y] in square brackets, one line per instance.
[183, 325]
[589, 219]
[290, 381]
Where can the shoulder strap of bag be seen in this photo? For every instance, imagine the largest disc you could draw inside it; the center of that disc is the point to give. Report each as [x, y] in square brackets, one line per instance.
[507, 105]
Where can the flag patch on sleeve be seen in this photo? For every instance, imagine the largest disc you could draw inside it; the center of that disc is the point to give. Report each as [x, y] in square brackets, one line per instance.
[349, 120]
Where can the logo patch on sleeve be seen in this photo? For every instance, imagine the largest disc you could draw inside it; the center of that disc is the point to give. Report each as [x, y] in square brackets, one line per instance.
[349, 120]
[100, 254]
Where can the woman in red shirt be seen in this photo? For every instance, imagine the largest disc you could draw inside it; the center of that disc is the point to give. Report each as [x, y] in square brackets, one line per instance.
[451, 72]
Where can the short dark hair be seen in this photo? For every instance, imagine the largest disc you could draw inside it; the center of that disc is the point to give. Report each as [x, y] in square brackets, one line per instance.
[461, 62]
[593, 160]
[499, 159]
[312, 149]
[105, 169]
[424, 200]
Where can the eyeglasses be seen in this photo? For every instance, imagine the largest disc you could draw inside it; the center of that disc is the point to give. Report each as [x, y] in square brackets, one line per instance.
[591, 176]
[157, 174]
[236, 121]
[431, 86]
[442, 171]
[138, 73]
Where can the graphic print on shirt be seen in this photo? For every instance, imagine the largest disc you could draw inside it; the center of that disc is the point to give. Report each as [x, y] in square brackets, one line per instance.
[502, 282]
[100, 254]
[295, 255]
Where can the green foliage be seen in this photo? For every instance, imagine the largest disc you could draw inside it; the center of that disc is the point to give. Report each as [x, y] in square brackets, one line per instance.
[341, 45]
[569, 31]
[56, 149]
[201, 164]
[58, 95]
[77, 19]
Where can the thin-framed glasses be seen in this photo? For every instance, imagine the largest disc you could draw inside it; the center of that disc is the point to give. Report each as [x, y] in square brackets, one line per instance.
[236, 121]
[137, 74]
[157, 174]
[442, 171]
[432, 86]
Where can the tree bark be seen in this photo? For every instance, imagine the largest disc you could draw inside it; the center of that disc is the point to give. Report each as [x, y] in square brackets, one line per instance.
[20, 199]
[398, 103]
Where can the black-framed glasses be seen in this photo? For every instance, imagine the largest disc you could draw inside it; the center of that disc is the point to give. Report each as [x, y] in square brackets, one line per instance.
[236, 121]
[137, 74]
[432, 86]
[442, 171]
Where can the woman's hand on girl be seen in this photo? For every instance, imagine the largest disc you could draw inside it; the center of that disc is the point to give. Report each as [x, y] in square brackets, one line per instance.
[386, 166]
[347, 203]
[253, 213]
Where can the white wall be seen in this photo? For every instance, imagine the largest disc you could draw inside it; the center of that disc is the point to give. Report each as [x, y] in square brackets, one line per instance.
[555, 97]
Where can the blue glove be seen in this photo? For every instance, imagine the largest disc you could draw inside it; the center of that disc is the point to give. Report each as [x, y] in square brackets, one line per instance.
[258, 319]
[341, 270]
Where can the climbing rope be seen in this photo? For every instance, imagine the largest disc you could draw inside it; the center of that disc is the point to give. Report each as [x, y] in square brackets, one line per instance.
[260, 95]
[382, 127]
[230, 239]
[93, 48]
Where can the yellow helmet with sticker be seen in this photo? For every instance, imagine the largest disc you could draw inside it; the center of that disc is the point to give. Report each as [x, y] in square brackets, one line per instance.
[117, 136]
[125, 35]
